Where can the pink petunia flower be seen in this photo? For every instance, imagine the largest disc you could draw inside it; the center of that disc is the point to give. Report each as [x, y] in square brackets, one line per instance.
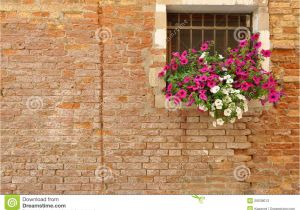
[184, 61]
[266, 53]
[203, 96]
[257, 45]
[168, 95]
[204, 46]
[204, 69]
[256, 80]
[184, 53]
[181, 93]
[174, 66]
[228, 61]
[162, 73]
[273, 97]
[265, 86]
[176, 54]
[186, 80]
[201, 85]
[255, 36]
[166, 67]
[170, 86]
[200, 60]
[243, 43]
[235, 50]
[203, 78]
[245, 86]
[211, 84]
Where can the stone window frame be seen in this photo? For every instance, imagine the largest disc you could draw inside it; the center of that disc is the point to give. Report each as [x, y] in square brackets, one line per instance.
[260, 21]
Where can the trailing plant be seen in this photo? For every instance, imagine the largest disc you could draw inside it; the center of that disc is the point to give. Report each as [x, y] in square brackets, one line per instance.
[221, 85]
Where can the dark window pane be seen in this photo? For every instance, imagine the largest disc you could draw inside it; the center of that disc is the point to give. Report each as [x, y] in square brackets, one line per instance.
[220, 20]
[243, 21]
[197, 20]
[184, 40]
[233, 20]
[172, 19]
[197, 38]
[185, 20]
[220, 41]
[208, 20]
[208, 35]
[231, 40]
[172, 42]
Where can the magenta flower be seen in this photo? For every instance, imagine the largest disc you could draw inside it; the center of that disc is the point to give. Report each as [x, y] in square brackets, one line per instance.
[194, 50]
[175, 67]
[202, 85]
[273, 96]
[162, 73]
[183, 61]
[169, 88]
[204, 46]
[245, 86]
[168, 95]
[166, 67]
[265, 85]
[181, 93]
[184, 53]
[257, 45]
[256, 80]
[186, 79]
[200, 60]
[211, 84]
[176, 54]
[243, 43]
[235, 50]
[204, 69]
[266, 53]
[255, 36]
[228, 61]
[203, 78]
[203, 96]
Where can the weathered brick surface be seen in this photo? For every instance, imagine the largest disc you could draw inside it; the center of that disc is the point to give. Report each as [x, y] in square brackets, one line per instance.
[95, 120]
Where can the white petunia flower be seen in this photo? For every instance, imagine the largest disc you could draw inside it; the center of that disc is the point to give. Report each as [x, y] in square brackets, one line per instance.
[241, 97]
[202, 107]
[218, 102]
[221, 79]
[219, 107]
[232, 120]
[215, 89]
[203, 55]
[227, 77]
[225, 91]
[227, 99]
[224, 69]
[213, 107]
[214, 123]
[245, 107]
[239, 115]
[231, 105]
[221, 56]
[238, 110]
[229, 81]
[220, 121]
[227, 112]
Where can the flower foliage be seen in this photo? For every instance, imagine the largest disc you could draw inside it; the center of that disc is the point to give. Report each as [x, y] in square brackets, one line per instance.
[221, 85]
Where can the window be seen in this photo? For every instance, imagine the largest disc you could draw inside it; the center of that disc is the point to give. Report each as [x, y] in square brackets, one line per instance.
[187, 31]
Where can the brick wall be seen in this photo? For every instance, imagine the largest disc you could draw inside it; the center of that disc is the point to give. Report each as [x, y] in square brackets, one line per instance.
[78, 113]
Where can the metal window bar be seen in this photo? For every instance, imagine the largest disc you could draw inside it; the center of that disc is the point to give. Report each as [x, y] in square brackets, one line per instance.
[176, 29]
